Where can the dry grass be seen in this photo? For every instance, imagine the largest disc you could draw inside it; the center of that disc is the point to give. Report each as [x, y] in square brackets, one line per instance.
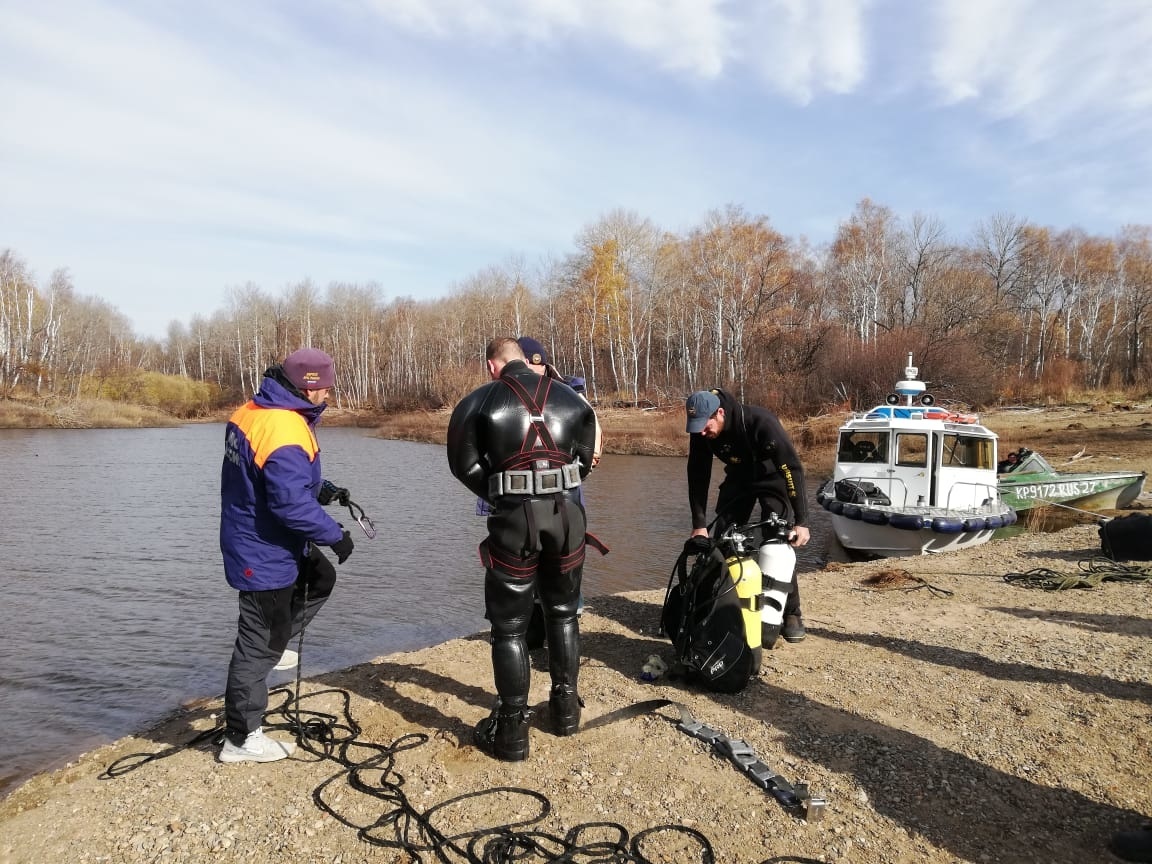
[890, 579]
[79, 414]
[1104, 434]
[626, 430]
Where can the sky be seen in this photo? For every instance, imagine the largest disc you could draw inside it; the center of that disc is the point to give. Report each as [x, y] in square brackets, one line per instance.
[165, 152]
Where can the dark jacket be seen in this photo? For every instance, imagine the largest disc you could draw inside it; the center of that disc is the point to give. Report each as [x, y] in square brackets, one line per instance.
[268, 487]
[491, 427]
[760, 463]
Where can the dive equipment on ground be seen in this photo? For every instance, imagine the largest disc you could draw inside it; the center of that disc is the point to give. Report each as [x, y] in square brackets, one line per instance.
[1128, 538]
[793, 796]
[796, 797]
[712, 614]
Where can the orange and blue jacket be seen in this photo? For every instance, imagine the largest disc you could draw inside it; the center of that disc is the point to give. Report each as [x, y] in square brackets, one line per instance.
[268, 487]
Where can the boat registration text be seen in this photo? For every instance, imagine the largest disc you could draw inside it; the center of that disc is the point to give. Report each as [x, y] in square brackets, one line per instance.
[1069, 489]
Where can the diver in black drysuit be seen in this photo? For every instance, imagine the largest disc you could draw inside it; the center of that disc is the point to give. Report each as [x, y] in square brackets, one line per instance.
[761, 466]
[535, 542]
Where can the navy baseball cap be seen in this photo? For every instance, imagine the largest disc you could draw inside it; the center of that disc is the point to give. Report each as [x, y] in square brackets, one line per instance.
[700, 406]
[534, 352]
[576, 383]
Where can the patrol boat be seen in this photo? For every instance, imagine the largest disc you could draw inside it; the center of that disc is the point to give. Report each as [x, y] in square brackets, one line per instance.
[914, 479]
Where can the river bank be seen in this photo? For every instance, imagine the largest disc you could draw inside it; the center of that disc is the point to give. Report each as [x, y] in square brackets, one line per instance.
[992, 724]
[951, 717]
[1097, 436]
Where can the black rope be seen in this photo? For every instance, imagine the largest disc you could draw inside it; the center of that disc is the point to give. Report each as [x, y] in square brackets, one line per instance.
[370, 769]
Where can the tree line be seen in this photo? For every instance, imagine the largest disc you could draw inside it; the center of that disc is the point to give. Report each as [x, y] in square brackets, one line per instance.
[1014, 311]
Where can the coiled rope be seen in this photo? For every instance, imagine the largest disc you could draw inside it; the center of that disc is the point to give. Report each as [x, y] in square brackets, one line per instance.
[1094, 571]
[370, 769]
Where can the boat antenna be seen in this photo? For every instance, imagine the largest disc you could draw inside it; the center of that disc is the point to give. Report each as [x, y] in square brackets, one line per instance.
[910, 388]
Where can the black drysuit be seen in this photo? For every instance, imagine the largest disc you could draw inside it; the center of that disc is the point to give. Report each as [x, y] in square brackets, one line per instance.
[760, 466]
[535, 541]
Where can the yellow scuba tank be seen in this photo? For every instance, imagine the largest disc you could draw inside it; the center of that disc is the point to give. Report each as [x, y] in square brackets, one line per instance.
[745, 575]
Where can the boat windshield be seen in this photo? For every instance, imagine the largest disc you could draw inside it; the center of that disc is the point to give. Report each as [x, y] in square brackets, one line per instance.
[863, 446]
[967, 451]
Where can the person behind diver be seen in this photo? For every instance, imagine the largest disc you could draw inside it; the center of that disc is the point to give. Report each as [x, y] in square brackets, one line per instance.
[271, 527]
[537, 359]
[525, 446]
[761, 466]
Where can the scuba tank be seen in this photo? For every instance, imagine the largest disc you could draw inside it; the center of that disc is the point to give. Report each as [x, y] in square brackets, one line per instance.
[746, 576]
[777, 562]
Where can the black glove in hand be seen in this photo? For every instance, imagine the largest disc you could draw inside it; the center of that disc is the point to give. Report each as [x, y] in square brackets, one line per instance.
[329, 491]
[343, 548]
[697, 545]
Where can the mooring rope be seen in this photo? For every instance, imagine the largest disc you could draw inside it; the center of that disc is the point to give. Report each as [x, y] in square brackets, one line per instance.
[1093, 572]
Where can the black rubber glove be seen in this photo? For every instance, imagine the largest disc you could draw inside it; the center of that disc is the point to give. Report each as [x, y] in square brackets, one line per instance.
[697, 545]
[343, 548]
[330, 491]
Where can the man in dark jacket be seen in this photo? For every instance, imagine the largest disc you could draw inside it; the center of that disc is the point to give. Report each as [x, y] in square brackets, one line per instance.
[524, 442]
[271, 524]
[761, 466]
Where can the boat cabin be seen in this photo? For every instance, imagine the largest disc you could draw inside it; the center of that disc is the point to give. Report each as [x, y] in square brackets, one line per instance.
[918, 462]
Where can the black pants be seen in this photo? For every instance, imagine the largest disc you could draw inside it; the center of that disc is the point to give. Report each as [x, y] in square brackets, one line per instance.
[737, 510]
[267, 622]
[534, 545]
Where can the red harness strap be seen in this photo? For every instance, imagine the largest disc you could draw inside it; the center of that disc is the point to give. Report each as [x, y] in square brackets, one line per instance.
[495, 558]
[540, 445]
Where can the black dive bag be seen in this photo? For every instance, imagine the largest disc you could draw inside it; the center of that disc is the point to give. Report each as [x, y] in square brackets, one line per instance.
[703, 617]
[1128, 538]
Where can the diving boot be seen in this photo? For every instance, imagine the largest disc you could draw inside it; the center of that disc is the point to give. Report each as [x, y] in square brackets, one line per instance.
[564, 705]
[503, 734]
[793, 630]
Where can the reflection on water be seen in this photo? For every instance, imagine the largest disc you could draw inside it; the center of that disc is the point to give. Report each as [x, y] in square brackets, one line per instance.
[116, 608]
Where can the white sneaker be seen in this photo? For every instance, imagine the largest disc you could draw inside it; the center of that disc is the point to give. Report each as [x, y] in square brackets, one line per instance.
[288, 660]
[257, 747]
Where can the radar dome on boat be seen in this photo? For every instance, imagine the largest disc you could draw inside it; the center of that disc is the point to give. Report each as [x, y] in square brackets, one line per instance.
[911, 386]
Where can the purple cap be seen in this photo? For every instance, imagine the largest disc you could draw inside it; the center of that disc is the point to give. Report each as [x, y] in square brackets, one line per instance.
[309, 369]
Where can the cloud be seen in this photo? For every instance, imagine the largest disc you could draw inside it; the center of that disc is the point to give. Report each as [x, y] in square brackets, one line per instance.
[686, 35]
[798, 47]
[426, 137]
[1048, 62]
[802, 49]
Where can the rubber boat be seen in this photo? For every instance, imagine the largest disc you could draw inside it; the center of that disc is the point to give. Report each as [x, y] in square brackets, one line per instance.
[1033, 482]
[913, 479]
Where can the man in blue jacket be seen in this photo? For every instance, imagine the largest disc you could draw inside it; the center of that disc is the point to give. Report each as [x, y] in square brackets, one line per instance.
[271, 524]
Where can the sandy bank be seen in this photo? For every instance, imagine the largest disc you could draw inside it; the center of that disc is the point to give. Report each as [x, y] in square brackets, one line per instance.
[991, 724]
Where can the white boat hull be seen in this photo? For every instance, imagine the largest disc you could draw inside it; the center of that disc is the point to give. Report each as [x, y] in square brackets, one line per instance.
[888, 542]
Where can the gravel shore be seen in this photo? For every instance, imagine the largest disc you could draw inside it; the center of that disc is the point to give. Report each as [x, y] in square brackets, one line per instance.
[945, 714]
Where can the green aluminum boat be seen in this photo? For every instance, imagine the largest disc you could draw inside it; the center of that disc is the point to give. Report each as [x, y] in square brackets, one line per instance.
[1030, 481]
